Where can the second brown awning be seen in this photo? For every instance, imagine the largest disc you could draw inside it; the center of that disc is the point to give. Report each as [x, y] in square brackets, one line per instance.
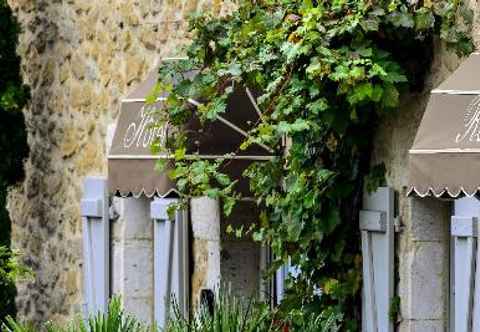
[444, 160]
[131, 163]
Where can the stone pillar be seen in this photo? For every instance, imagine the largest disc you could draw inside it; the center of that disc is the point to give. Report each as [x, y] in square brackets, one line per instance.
[424, 267]
[205, 218]
[132, 256]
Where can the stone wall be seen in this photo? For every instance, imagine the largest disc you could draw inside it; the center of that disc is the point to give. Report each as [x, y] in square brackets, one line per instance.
[79, 58]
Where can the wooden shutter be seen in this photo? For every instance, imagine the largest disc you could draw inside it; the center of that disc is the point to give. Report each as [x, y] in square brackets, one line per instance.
[285, 271]
[171, 276]
[464, 232]
[377, 232]
[465, 281]
[96, 228]
[280, 277]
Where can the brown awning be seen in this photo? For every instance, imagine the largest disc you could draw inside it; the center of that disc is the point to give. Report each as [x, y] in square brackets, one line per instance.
[445, 156]
[131, 163]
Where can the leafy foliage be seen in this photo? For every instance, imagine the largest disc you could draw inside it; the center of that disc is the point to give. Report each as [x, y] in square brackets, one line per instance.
[13, 94]
[11, 270]
[327, 72]
[13, 142]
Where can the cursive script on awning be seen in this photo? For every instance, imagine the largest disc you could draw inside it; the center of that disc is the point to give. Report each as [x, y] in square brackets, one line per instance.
[445, 156]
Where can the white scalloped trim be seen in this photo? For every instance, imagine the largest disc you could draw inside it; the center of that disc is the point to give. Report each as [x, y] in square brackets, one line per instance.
[155, 193]
[432, 192]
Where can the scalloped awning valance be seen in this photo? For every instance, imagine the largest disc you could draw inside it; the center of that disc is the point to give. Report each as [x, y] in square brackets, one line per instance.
[131, 163]
[444, 160]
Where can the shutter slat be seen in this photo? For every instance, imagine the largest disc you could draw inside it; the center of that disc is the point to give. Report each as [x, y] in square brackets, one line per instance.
[464, 272]
[170, 260]
[377, 232]
[96, 251]
[464, 230]
[465, 281]
[476, 291]
[369, 283]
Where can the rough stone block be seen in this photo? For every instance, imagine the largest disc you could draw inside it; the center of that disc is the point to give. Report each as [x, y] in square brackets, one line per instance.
[422, 326]
[138, 270]
[430, 219]
[429, 279]
[205, 214]
[117, 267]
[134, 221]
[140, 307]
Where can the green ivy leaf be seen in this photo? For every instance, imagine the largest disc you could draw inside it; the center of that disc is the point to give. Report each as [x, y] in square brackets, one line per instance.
[299, 125]
[228, 205]
[161, 165]
[370, 24]
[402, 19]
[259, 236]
[390, 96]
[223, 179]
[234, 69]
[376, 178]
[360, 93]
[180, 154]
[332, 220]
[294, 230]
[377, 93]
[213, 109]
[213, 192]
[239, 232]
[318, 106]
[424, 19]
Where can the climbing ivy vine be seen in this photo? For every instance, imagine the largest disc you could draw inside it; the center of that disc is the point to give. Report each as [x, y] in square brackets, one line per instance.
[326, 71]
[13, 147]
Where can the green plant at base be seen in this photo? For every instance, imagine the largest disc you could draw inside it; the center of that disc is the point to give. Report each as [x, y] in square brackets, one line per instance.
[114, 320]
[11, 270]
[229, 315]
[232, 315]
[327, 71]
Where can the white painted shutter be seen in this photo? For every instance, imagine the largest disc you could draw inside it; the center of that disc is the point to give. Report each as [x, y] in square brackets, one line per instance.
[281, 276]
[465, 281]
[96, 227]
[377, 232]
[171, 276]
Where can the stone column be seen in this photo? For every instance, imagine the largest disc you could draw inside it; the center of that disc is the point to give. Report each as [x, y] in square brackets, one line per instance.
[132, 256]
[205, 218]
[424, 267]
